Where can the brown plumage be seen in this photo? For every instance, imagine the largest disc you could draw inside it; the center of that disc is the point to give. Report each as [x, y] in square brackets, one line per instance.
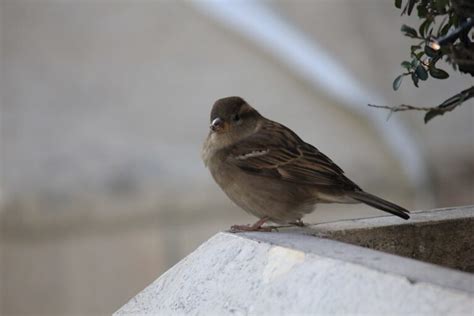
[267, 170]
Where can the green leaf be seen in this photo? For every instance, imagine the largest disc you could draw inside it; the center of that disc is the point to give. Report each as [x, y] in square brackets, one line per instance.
[441, 6]
[445, 29]
[424, 26]
[411, 4]
[409, 31]
[455, 20]
[430, 52]
[419, 54]
[429, 34]
[431, 114]
[406, 64]
[398, 4]
[414, 47]
[415, 79]
[397, 82]
[444, 51]
[422, 10]
[450, 104]
[438, 73]
[434, 60]
[404, 9]
[421, 72]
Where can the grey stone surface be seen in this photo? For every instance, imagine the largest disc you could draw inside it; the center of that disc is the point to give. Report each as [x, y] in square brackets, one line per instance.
[295, 273]
[443, 237]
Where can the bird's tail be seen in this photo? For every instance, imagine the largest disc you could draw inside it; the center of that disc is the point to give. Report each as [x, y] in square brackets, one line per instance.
[379, 203]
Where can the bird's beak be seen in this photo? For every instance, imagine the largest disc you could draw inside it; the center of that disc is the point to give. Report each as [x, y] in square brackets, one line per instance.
[217, 124]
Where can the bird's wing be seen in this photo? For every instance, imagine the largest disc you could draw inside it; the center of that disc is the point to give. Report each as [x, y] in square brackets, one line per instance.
[276, 151]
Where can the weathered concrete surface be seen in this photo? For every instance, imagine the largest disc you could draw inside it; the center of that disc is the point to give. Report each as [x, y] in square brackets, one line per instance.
[443, 236]
[296, 273]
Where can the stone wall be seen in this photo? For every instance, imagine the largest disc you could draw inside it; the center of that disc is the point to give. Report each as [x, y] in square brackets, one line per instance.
[295, 272]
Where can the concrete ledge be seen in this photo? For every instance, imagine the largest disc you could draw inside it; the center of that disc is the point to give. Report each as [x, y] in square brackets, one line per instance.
[444, 236]
[297, 273]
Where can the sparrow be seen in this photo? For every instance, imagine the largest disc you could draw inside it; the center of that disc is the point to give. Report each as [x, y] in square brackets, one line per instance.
[270, 172]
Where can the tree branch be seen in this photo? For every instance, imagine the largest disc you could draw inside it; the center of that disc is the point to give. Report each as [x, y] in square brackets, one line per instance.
[447, 106]
[401, 107]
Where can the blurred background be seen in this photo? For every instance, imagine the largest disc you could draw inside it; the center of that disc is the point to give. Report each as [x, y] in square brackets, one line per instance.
[105, 105]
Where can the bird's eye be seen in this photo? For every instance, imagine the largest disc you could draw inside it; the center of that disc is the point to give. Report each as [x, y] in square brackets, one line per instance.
[235, 117]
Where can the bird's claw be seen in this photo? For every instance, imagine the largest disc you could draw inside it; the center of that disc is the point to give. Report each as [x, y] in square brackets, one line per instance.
[251, 228]
[298, 223]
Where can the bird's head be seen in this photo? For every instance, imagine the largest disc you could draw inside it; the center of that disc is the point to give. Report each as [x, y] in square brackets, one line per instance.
[233, 119]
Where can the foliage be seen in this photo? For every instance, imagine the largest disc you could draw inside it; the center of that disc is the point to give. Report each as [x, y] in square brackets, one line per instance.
[438, 17]
[443, 34]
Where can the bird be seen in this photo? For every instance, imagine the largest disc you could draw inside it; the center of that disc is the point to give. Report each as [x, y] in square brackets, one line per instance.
[270, 172]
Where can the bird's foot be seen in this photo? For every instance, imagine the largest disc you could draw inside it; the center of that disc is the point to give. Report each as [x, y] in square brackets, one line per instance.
[257, 227]
[251, 228]
[298, 223]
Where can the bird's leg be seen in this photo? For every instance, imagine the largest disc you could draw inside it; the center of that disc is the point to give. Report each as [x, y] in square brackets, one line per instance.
[256, 227]
[298, 223]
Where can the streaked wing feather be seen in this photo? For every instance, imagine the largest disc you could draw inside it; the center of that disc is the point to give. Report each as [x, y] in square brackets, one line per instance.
[276, 151]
